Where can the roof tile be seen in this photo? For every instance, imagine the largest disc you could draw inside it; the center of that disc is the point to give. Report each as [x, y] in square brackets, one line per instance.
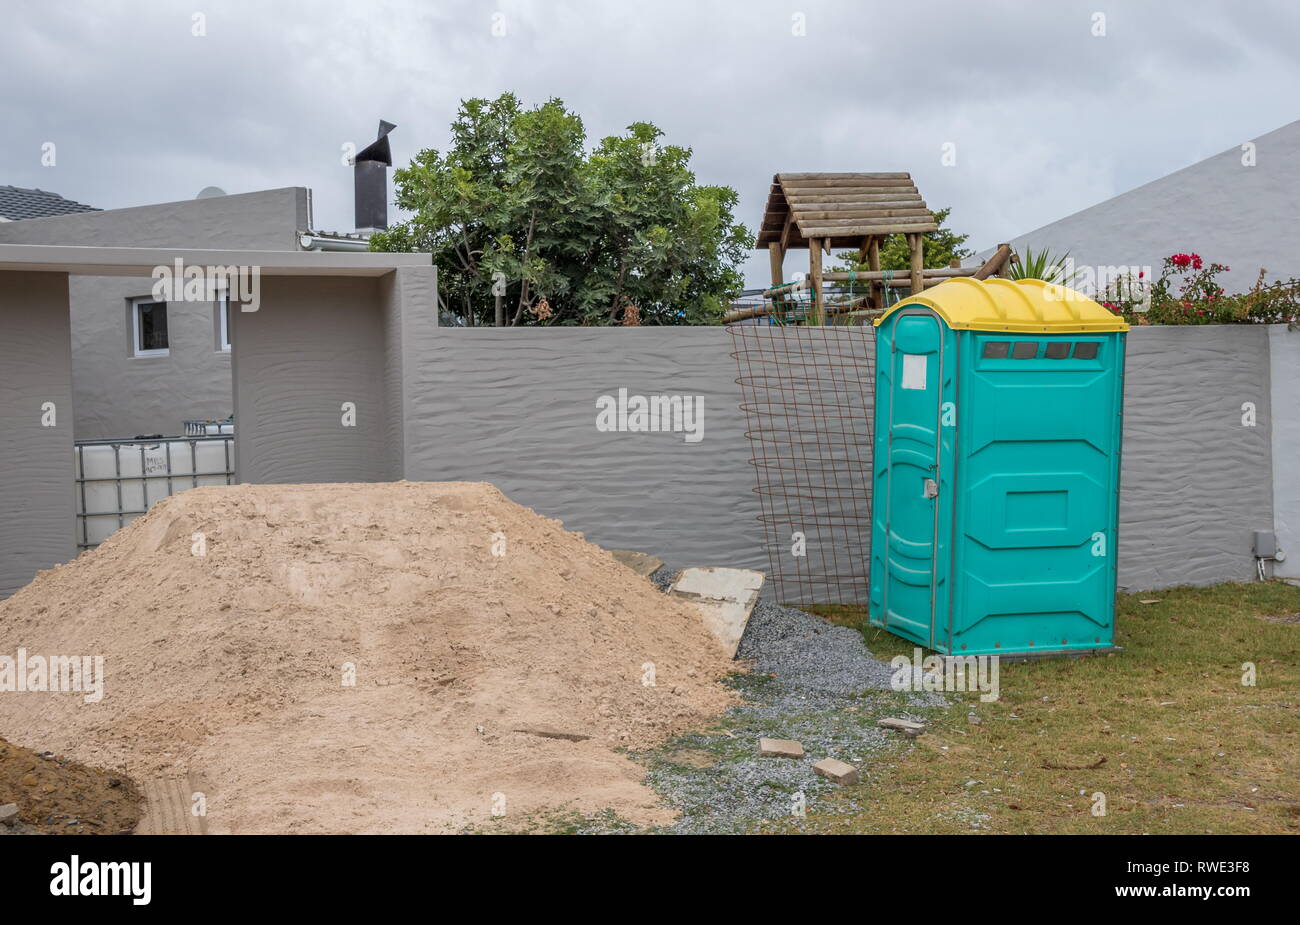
[18, 203]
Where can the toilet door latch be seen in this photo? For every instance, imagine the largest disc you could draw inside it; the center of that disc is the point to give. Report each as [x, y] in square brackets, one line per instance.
[931, 489]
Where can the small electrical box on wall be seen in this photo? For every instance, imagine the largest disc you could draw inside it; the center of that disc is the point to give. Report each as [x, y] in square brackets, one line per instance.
[1265, 544]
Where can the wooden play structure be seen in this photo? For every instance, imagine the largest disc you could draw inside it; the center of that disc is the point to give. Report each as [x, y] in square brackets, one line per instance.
[821, 212]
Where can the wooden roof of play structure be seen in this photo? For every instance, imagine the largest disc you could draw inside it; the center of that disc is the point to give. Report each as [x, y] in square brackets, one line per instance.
[854, 211]
[841, 209]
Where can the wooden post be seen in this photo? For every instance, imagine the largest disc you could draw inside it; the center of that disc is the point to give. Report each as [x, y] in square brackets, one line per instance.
[776, 256]
[815, 313]
[873, 264]
[995, 264]
[915, 241]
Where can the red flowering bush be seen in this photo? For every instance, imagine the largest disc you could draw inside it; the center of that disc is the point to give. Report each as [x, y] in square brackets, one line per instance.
[1188, 292]
[1126, 295]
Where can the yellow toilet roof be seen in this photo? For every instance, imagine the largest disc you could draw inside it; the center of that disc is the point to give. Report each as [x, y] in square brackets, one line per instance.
[1023, 305]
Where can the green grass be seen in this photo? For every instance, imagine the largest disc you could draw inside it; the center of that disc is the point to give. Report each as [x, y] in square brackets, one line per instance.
[1164, 729]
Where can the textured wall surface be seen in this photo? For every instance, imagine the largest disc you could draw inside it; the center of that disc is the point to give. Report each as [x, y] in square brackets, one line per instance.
[117, 394]
[409, 308]
[36, 490]
[518, 408]
[1195, 481]
[1284, 372]
[316, 343]
[265, 220]
[120, 395]
[390, 313]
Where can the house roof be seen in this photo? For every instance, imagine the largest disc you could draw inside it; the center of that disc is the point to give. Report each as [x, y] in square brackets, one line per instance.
[844, 207]
[19, 203]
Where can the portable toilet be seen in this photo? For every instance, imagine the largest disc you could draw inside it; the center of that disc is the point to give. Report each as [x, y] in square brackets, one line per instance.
[998, 413]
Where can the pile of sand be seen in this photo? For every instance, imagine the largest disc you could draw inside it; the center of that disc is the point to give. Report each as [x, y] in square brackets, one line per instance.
[231, 666]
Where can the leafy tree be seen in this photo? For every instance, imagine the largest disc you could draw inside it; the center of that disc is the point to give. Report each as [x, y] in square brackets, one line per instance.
[517, 207]
[941, 248]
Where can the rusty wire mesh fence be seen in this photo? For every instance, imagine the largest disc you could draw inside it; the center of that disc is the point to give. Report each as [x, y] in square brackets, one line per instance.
[807, 393]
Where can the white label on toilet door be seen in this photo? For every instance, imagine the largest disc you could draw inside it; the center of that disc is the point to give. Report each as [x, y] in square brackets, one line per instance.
[914, 371]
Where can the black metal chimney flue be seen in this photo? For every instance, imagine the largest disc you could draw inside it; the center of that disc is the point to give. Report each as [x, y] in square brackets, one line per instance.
[370, 181]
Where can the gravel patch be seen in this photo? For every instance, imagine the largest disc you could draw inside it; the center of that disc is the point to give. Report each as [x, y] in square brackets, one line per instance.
[807, 652]
[811, 653]
[808, 680]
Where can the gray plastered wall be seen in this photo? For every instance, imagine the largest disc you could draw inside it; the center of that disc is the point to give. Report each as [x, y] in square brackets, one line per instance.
[1284, 376]
[315, 344]
[1196, 481]
[518, 408]
[117, 394]
[410, 327]
[36, 469]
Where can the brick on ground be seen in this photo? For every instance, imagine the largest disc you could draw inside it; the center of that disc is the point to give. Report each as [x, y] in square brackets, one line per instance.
[837, 771]
[779, 748]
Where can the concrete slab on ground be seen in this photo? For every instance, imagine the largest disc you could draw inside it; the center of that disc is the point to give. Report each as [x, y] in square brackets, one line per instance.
[726, 597]
[642, 563]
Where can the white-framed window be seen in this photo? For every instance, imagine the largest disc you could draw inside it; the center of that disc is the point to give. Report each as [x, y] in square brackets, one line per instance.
[223, 323]
[148, 327]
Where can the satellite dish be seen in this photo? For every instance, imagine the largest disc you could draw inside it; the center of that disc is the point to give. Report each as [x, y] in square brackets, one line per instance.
[210, 192]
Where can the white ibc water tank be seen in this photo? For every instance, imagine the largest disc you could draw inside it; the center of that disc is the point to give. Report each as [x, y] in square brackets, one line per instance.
[98, 500]
[120, 481]
[95, 462]
[198, 462]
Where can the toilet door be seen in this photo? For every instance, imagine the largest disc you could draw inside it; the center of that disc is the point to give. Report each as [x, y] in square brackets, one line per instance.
[916, 379]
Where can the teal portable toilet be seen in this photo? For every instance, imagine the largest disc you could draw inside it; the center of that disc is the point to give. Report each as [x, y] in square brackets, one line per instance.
[999, 410]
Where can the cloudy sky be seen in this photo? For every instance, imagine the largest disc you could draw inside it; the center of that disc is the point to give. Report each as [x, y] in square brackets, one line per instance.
[1046, 115]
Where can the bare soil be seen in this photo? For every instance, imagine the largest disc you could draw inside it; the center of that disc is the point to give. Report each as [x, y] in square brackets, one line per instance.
[57, 796]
